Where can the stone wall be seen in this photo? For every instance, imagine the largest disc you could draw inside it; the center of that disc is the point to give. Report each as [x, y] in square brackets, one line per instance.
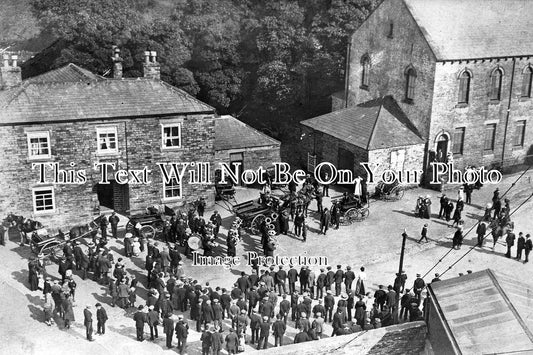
[447, 114]
[390, 55]
[414, 157]
[139, 146]
[253, 157]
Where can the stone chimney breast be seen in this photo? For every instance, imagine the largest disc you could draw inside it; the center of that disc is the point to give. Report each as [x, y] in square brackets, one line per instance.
[151, 67]
[10, 75]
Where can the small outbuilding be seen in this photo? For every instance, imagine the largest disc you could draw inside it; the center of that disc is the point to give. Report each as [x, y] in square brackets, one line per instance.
[237, 142]
[376, 131]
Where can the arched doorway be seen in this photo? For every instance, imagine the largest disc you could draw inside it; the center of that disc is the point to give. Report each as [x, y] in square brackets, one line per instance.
[442, 143]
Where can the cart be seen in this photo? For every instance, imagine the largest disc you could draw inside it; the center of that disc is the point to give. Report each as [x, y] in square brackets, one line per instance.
[389, 192]
[351, 209]
[149, 223]
[254, 212]
[52, 245]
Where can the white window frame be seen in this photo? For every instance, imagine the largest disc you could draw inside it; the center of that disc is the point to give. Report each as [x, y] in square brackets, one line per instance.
[39, 134]
[164, 138]
[34, 199]
[172, 198]
[106, 130]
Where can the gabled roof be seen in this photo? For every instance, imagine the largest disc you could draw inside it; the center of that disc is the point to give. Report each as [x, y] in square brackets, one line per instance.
[68, 73]
[71, 93]
[234, 134]
[375, 124]
[469, 29]
[484, 308]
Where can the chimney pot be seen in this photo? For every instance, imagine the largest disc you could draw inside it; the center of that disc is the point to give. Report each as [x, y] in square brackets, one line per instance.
[153, 54]
[147, 57]
[6, 60]
[14, 58]
[117, 63]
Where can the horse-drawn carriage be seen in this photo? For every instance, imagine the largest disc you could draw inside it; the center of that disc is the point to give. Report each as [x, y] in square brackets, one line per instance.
[389, 192]
[254, 212]
[351, 209]
[148, 223]
[41, 242]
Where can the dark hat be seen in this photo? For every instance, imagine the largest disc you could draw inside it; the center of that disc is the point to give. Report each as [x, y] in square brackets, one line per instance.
[98, 305]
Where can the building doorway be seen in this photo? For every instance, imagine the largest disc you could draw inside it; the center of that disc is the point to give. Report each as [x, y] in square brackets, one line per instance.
[346, 160]
[442, 148]
[114, 196]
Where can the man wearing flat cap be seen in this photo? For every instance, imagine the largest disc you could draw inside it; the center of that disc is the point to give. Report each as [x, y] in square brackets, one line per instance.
[264, 333]
[88, 322]
[101, 318]
[182, 331]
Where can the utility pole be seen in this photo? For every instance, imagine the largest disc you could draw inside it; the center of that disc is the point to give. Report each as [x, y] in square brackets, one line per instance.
[396, 314]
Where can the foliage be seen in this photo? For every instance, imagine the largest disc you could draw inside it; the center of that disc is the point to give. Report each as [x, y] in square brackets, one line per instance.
[272, 62]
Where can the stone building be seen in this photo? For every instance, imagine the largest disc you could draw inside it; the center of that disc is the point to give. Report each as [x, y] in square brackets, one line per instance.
[461, 71]
[76, 119]
[236, 142]
[375, 131]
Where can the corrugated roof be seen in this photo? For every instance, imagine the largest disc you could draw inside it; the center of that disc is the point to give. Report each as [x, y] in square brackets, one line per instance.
[487, 312]
[468, 29]
[49, 98]
[375, 124]
[234, 134]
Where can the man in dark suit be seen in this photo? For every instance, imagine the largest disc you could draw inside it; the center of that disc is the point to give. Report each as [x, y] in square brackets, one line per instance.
[293, 277]
[320, 284]
[349, 276]
[304, 279]
[264, 333]
[329, 303]
[182, 331]
[520, 245]
[325, 218]
[281, 278]
[480, 231]
[101, 318]
[168, 328]
[88, 322]
[140, 318]
[278, 329]
[330, 278]
[339, 276]
[510, 242]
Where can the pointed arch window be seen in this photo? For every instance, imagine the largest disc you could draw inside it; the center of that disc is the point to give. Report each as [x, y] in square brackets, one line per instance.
[464, 87]
[410, 79]
[496, 84]
[526, 81]
[365, 65]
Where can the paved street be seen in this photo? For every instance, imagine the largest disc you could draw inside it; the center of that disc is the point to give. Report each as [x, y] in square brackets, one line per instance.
[373, 243]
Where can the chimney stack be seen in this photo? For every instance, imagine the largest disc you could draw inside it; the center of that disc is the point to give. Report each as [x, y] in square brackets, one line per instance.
[10, 75]
[117, 63]
[151, 67]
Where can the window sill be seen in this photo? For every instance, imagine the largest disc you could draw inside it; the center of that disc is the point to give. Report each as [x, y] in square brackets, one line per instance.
[458, 155]
[163, 149]
[408, 101]
[171, 199]
[517, 148]
[363, 87]
[45, 213]
[41, 159]
[108, 154]
[461, 105]
[488, 153]
[524, 98]
[494, 102]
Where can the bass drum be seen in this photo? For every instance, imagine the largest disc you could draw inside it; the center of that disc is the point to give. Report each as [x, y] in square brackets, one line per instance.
[194, 242]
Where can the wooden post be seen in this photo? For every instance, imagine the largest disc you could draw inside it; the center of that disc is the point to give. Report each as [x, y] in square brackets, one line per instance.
[396, 315]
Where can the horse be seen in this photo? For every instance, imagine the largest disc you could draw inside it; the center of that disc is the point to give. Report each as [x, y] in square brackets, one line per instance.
[25, 226]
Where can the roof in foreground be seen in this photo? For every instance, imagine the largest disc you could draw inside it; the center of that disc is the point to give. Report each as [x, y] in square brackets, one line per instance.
[487, 312]
[460, 29]
[234, 134]
[72, 93]
[375, 124]
[407, 338]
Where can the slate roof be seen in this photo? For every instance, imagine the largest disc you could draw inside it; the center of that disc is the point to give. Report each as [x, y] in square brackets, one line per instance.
[234, 134]
[469, 29]
[375, 124]
[71, 93]
[68, 73]
[485, 310]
